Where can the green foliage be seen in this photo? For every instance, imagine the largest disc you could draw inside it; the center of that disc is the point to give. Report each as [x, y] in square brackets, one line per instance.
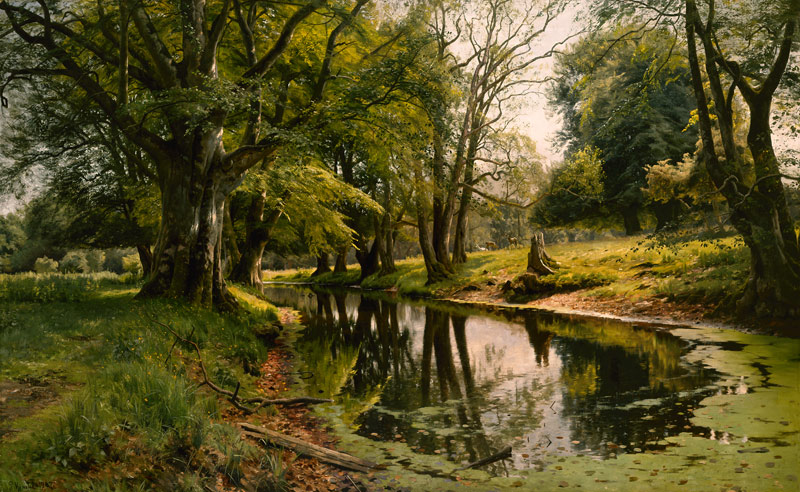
[83, 434]
[28, 287]
[45, 265]
[628, 97]
[95, 259]
[131, 264]
[12, 234]
[54, 287]
[582, 174]
[140, 398]
[74, 262]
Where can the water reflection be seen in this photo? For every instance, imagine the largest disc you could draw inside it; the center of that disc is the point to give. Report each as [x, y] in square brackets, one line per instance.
[464, 385]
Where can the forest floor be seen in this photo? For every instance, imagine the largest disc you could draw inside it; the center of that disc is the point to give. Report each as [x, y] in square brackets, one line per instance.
[696, 281]
[94, 395]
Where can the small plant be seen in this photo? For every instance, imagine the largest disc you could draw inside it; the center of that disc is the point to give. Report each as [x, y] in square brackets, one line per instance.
[274, 480]
[127, 348]
[83, 434]
[131, 264]
[95, 259]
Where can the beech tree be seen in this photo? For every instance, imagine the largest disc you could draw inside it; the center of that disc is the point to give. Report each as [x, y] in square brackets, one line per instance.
[740, 48]
[172, 79]
[488, 48]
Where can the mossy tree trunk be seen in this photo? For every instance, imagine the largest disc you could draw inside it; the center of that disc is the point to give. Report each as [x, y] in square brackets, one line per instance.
[759, 212]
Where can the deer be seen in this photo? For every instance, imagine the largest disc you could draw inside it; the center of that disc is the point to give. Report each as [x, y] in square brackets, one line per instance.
[491, 245]
[512, 241]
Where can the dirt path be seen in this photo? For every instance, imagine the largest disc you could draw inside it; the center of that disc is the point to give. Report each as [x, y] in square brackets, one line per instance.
[26, 396]
[304, 474]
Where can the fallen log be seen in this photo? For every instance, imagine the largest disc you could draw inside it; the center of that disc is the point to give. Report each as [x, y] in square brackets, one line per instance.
[500, 455]
[329, 456]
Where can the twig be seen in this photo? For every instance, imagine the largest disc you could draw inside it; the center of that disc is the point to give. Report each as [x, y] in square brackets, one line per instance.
[351, 481]
[500, 455]
[233, 397]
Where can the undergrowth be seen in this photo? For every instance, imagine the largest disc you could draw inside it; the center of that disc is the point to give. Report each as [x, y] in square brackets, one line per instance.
[130, 402]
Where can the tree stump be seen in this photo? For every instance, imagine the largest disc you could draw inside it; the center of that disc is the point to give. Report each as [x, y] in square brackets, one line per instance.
[538, 259]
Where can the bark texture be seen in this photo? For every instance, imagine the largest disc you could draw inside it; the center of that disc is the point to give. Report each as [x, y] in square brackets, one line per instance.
[759, 212]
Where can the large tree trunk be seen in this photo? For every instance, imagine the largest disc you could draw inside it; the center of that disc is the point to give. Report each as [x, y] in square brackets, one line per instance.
[230, 248]
[774, 284]
[436, 270]
[323, 265]
[385, 230]
[758, 212]
[341, 260]
[187, 261]
[441, 211]
[460, 236]
[145, 258]
[465, 201]
[258, 229]
[630, 217]
[371, 261]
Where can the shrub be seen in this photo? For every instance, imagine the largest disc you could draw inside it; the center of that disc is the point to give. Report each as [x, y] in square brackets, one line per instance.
[166, 408]
[30, 287]
[45, 265]
[139, 398]
[95, 259]
[113, 261]
[131, 264]
[74, 262]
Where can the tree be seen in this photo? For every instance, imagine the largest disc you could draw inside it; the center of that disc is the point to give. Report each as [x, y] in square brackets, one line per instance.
[631, 99]
[172, 91]
[762, 36]
[759, 210]
[495, 39]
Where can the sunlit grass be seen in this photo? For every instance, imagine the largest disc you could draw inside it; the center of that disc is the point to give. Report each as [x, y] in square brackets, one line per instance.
[635, 268]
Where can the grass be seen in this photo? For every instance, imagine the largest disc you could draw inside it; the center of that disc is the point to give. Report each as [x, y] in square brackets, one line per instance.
[695, 271]
[118, 401]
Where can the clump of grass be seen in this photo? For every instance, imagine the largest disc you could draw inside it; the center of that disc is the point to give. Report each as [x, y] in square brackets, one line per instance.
[83, 434]
[11, 481]
[274, 477]
[140, 398]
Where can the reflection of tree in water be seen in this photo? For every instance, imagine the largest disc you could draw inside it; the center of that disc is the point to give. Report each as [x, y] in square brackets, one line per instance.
[455, 429]
[431, 397]
[606, 369]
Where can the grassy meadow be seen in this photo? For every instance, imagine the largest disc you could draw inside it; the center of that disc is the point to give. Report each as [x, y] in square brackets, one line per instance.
[93, 395]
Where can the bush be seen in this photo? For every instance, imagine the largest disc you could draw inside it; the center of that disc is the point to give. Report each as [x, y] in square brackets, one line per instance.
[113, 262]
[56, 287]
[166, 408]
[51, 287]
[139, 398]
[95, 259]
[45, 265]
[74, 262]
[131, 264]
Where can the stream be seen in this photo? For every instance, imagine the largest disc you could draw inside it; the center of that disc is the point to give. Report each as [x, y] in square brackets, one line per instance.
[429, 387]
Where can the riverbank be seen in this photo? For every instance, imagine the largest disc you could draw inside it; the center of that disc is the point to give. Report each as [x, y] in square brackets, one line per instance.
[692, 282]
[97, 395]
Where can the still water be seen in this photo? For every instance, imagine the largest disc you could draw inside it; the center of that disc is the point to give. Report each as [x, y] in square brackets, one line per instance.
[460, 385]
